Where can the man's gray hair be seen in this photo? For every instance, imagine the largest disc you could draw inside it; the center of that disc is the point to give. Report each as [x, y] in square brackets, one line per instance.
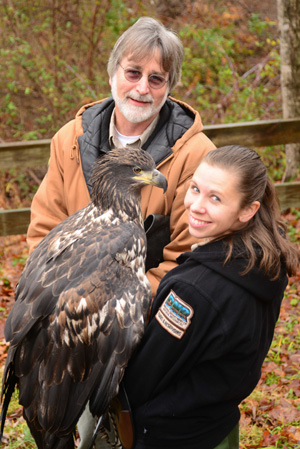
[141, 40]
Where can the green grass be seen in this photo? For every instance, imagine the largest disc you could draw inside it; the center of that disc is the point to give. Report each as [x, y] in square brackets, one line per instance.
[16, 432]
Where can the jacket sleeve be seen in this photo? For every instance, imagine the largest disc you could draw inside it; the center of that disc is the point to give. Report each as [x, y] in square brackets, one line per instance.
[47, 208]
[178, 174]
[63, 190]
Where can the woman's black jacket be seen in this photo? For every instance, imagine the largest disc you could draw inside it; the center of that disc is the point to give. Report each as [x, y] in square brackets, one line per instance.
[209, 332]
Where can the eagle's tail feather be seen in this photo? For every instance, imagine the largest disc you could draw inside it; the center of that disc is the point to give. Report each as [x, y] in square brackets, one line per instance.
[9, 383]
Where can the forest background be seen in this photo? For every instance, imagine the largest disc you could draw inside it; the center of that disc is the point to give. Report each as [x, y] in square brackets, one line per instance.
[53, 58]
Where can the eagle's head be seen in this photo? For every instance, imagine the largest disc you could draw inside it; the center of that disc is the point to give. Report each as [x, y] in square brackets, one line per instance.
[121, 173]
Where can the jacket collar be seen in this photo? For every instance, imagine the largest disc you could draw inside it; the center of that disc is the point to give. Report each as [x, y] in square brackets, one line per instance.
[174, 121]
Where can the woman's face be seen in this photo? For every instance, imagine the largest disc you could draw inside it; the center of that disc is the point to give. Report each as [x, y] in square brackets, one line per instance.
[213, 203]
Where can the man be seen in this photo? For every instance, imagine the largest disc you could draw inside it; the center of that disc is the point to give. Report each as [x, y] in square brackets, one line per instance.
[144, 66]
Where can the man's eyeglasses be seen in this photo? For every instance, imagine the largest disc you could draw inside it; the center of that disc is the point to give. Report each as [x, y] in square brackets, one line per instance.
[134, 75]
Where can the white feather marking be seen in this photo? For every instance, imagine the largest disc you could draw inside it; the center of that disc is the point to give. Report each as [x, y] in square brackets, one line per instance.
[106, 217]
[140, 272]
[92, 325]
[66, 337]
[55, 244]
[82, 305]
[120, 306]
[102, 314]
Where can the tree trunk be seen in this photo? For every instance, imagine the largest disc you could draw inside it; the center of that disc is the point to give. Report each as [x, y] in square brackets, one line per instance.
[289, 26]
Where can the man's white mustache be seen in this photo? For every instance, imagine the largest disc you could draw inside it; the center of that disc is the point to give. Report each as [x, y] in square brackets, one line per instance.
[137, 97]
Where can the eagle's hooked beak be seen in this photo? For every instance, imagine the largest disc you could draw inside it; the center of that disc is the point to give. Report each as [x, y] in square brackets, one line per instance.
[153, 177]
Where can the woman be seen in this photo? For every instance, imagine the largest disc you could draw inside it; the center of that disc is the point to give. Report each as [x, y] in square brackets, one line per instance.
[213, 318]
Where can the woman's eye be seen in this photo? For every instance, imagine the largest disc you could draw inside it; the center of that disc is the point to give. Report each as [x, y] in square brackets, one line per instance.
[215, 198]
[195, 189]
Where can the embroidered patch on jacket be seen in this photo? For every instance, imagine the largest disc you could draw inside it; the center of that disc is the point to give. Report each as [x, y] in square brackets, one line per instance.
[175, 315]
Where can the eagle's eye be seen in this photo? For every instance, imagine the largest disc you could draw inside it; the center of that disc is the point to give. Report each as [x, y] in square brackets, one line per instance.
[137, 170]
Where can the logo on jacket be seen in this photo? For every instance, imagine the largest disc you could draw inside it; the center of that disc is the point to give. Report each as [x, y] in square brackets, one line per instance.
[175, 315]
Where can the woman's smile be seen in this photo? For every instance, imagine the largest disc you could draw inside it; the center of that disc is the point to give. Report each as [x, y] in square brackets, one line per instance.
[197, 223]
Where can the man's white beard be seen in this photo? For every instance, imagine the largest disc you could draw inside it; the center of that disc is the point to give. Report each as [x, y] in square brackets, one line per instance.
[135, 114]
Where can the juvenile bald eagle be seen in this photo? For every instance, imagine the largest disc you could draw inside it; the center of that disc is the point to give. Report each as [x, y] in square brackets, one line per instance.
[81, 304]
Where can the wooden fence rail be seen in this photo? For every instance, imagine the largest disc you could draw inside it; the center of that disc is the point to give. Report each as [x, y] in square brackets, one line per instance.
[251, 134]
